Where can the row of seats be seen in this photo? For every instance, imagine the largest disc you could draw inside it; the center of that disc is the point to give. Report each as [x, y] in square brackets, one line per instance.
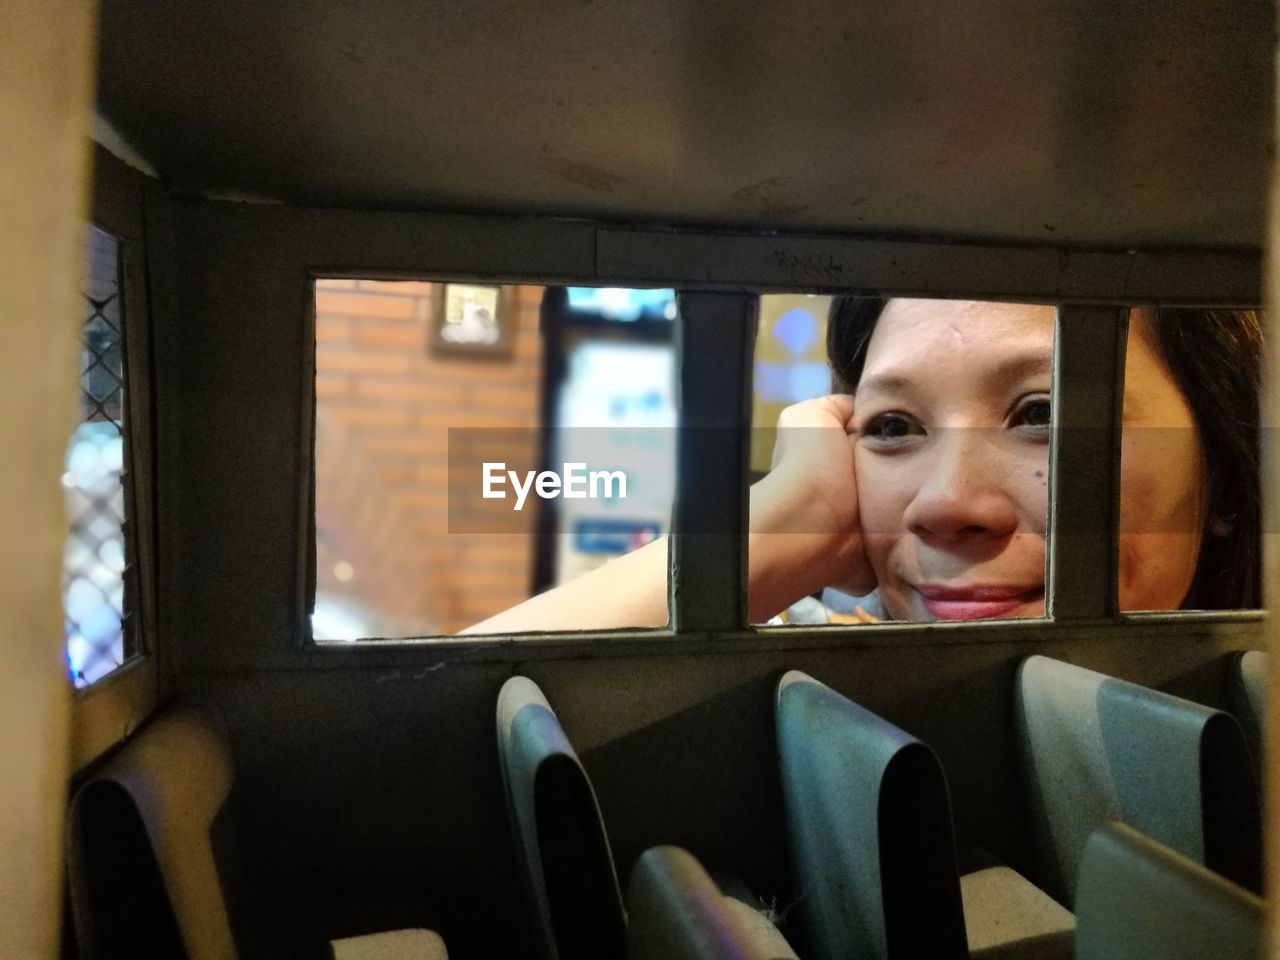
[869, 826]
[566, 863]
[1139, 900]
[871, 829]
[1130, 786]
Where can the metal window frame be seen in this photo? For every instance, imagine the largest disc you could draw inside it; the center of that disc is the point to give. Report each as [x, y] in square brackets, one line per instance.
[108, 710]
[1084, 463]
[276, 252]
[707, 552]
[718, 275]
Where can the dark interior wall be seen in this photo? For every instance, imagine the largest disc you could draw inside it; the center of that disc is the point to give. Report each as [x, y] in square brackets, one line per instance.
[234, 355]
[368, 775]
[235, 394]
[373, 796]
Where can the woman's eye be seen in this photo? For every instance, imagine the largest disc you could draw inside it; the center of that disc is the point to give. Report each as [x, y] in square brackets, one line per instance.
[1035, 414]
[891, 427]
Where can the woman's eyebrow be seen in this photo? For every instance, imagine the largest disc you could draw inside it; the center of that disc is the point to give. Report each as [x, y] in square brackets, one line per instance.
[885, 383]
[1014, 367]
[1023, 365]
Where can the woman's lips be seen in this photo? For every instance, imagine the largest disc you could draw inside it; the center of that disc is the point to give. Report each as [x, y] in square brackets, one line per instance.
[982, 602]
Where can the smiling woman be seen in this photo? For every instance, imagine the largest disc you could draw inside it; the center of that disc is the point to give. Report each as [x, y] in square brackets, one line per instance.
[951, 453]
[1191, 460]
[920, 484]
[951, 460]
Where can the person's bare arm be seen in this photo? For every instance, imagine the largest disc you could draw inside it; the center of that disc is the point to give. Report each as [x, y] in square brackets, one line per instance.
[802, 537]
[628, 591]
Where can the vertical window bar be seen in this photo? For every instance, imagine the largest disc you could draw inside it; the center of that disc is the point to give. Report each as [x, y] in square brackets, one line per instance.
[1084, 470]
[715, 333]
[139, 605]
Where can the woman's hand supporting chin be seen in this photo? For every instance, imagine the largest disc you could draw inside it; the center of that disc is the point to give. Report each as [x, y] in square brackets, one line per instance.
[804, 528]
[804, 536]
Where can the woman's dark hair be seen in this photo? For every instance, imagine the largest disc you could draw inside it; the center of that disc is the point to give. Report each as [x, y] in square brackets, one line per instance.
[850, 324]
[1216, 358]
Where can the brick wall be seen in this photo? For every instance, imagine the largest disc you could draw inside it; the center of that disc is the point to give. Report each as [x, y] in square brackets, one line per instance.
[384, 404]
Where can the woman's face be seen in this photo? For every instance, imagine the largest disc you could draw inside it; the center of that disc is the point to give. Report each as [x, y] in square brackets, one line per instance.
[952, 463]
[1163, 481]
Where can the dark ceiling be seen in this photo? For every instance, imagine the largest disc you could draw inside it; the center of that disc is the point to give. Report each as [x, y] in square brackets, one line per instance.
[1113, 123]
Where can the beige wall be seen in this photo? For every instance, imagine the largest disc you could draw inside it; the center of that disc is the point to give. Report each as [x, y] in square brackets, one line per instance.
[46, 82]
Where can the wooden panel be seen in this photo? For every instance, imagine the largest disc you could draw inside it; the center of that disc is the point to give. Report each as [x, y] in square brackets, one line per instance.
[46, 87]
[110, 711]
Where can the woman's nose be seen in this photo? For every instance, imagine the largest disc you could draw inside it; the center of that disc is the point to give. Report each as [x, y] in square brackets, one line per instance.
[965, 494]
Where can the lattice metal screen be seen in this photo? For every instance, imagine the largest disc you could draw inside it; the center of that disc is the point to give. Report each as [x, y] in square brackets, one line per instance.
[94, 559]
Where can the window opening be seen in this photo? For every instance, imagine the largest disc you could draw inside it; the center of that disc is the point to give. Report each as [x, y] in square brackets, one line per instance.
[951, 478]
[96, 600]
[920, 428]
[420, 384]
[1191, 496]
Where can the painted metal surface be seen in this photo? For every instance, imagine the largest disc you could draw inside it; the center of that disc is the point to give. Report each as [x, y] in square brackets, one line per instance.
[1106, 124]
[222, 366]
[869, 827]
[567, 870]
[1097, 748]
[1141, 899]
[708, 580]
[1084, 462]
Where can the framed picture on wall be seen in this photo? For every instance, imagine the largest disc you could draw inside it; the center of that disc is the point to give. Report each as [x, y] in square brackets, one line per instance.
[471, 320]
